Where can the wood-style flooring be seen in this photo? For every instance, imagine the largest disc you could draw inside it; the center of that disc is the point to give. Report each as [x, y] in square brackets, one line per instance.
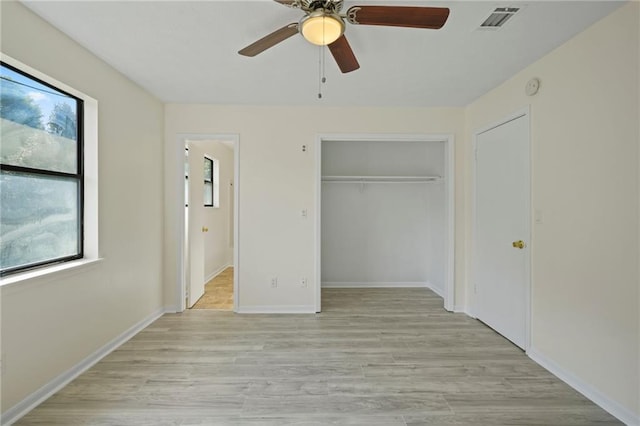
[218, 292]
[374, 357]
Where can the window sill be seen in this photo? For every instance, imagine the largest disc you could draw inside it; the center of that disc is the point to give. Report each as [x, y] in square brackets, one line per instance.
[48, 273]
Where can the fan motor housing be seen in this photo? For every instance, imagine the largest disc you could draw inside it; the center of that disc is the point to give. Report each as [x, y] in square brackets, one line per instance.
[328, 6]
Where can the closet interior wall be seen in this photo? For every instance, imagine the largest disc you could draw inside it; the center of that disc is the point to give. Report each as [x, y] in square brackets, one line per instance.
[383, 220]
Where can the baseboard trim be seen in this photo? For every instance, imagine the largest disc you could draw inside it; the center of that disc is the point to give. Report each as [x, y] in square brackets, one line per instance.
[170, 310]
[464, 309]
[405, 284]
[216, 273]
[374, 284]
[14, 413]
[461, 309]
[275, 309]
[612, 407]
[437, 290]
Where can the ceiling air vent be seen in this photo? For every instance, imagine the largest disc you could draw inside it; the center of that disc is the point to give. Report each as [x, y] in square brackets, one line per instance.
[499, 17]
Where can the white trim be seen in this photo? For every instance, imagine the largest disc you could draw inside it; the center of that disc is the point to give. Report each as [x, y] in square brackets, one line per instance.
[407, 284]
[450, 175]
[461, 309]
[437, 290]
[472, 308]
[318, 228]
[383, 137]
[381, 179]
[44, 275]
[14, 413]
[217, 272]
[448, 293]
[514, 116]
[181, 139]
[612, 407]
[236, 223]
[382, 284]
[277, 309]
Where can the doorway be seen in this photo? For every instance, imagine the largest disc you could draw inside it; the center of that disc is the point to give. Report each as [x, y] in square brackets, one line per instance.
[385, 215]
[209, 267]
[502, 228]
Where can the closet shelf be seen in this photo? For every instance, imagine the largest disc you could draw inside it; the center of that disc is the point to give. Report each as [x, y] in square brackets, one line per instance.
[364, 179]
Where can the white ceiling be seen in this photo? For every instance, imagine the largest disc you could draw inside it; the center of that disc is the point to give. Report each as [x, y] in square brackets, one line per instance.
[186, 51]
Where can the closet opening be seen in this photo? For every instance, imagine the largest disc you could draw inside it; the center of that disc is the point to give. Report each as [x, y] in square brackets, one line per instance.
[385, 213]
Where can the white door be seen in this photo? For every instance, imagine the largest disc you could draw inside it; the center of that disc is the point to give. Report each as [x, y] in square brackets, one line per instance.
[196, 229]
[502, 229]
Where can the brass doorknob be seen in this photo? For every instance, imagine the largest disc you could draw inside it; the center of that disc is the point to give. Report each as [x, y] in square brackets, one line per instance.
[519, 244]
[205, 229]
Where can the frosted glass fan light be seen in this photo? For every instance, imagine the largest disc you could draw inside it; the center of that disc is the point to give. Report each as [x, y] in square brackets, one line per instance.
[321, 29]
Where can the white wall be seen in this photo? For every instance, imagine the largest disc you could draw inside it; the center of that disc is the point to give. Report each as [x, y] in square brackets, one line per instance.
[377, 234]
[584, 129]
[382, 158]
[277, 181]
[50, 325]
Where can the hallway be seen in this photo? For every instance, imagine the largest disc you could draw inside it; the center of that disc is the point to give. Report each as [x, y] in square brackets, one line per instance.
[218, 293]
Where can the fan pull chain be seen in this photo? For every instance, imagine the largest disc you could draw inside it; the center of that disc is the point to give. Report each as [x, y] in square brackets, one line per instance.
[320, 72]
[324, 66]
[321, 63]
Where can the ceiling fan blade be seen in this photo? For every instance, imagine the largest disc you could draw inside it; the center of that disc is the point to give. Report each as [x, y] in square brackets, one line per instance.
[270, 40]
[344, 56]
[399, 16]
[289, 3]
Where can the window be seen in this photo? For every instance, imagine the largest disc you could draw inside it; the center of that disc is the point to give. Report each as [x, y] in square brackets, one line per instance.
[211, 177]
[186, 177]
[211, 182]
[41, 172]
[208, 182]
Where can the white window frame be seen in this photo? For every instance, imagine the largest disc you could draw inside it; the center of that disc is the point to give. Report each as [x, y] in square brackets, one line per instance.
[215, 180]
[90, 216]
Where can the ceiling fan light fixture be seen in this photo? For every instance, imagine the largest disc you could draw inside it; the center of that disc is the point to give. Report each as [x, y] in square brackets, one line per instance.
[321, 28]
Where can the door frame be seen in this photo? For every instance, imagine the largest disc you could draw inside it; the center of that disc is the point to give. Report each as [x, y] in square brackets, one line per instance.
[526, 113]
[181, 140]
[449, 176]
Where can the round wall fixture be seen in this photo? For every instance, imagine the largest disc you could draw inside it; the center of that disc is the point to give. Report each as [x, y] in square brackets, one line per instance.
[532, 87]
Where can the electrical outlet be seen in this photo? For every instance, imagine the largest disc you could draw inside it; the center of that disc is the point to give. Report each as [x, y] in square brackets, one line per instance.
[303, 282]
[274, 282]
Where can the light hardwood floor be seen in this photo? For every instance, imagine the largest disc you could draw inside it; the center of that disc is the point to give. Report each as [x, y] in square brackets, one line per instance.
[374, 357]
[218, 292]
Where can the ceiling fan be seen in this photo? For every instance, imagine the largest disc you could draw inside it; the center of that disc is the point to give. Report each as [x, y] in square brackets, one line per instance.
[324, 25]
